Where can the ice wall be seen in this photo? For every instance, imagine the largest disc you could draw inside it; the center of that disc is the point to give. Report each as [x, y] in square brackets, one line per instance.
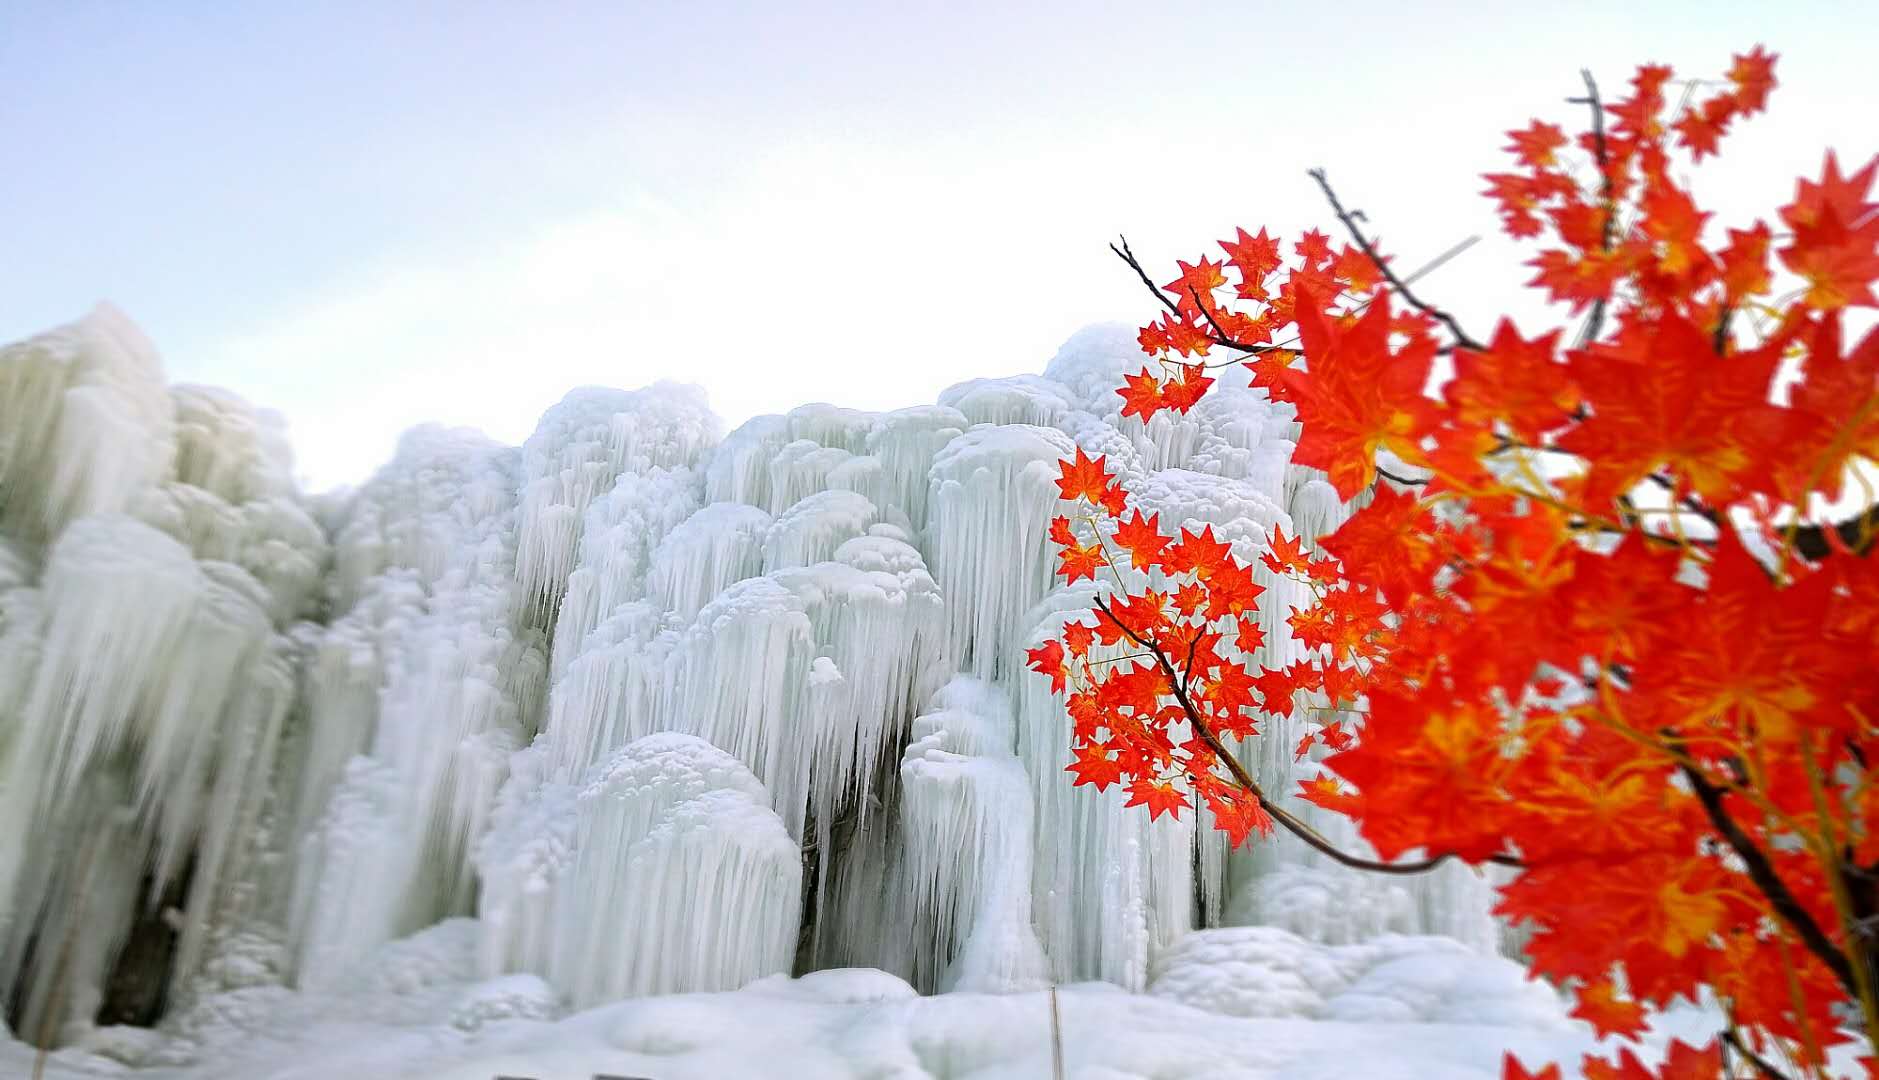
[662, 708]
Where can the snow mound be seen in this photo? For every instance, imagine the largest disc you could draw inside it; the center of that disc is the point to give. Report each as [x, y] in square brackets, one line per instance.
[1256, 971]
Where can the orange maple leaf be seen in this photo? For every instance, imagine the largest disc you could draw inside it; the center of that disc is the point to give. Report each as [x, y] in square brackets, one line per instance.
[1609, 1014]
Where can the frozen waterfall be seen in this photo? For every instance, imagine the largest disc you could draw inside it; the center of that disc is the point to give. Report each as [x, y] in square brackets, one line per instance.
[658, 707]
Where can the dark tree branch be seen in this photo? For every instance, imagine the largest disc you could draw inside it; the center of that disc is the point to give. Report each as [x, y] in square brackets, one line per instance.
[1855, 533]
[1403, 480]
[1135, 264]
[1763, 1067]
[1218, 337]
[1762, 873]
[1602, 155]
[1364, 244]
[1687, 502]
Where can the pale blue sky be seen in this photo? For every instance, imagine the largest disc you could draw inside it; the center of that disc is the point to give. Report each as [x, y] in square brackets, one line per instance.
[367, 215]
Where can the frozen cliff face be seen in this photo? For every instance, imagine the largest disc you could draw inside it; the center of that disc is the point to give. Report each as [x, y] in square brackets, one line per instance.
[655, 708]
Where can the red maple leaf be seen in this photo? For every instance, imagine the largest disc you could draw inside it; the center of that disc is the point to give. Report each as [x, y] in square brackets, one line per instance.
[1254, 256]
[1141, 395]
[1078, 561]
[1512, 1069]
[1285, 554]
[1047, 659]
[1359, 397]
[1083, 478]
[1161, 797]
[1515, 381]
[1144, 539]
[1094, 766]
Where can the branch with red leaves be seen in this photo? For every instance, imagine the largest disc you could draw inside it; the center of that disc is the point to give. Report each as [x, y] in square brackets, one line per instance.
[1708, 821]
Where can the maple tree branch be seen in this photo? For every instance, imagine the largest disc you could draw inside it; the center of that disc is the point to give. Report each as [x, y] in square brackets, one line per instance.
[1688, 502]
[1856, 533]
[1766, 879]
[1349, 218]
[1403, 480]
[1294, 825]
[1220, 332]
[1762, 1065]
[1135, 264]
[1601, 154]
[1218, 337]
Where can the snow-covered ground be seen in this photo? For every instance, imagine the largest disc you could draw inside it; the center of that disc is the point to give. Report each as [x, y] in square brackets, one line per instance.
[1235, 1003]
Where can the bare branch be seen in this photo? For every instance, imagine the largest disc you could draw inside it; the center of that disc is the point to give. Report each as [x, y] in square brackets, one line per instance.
[1403, 480]
[1763, 1067]
[1135, 264]
[1601, 154]
[1364, 244]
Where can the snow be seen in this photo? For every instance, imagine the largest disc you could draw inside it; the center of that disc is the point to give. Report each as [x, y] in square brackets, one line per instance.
[1403, 1008]
[561, 759]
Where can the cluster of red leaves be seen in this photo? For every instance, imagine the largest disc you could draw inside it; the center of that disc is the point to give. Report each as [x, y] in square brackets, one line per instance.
[1584, 635]
[1143, 664]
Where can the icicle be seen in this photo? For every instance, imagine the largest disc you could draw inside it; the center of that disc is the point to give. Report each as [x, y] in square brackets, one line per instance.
[720, 544]
[683, 878]
[578, 450]
[810, 531]
[620, 532]
[965, 818]
[831, 425]
[905, 442]
[664, 872]
[85, 423]
[461, 691]
[1017, 399]
[993, 494]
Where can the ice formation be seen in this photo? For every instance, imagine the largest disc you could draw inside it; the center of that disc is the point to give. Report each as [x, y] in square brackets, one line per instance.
[634, 708]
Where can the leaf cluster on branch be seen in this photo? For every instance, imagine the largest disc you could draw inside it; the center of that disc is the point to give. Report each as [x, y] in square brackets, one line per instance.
[1598, 623]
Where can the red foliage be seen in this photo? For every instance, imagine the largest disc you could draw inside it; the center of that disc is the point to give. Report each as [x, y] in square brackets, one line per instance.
[1602, 633]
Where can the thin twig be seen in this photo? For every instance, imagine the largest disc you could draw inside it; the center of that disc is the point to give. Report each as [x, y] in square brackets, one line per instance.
[1349, 218]
[1762, 1065]
[1403, 480]
[1596, 320]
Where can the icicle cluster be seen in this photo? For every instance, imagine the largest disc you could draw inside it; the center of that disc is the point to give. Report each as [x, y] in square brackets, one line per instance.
[662, 710]
[156, 562]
